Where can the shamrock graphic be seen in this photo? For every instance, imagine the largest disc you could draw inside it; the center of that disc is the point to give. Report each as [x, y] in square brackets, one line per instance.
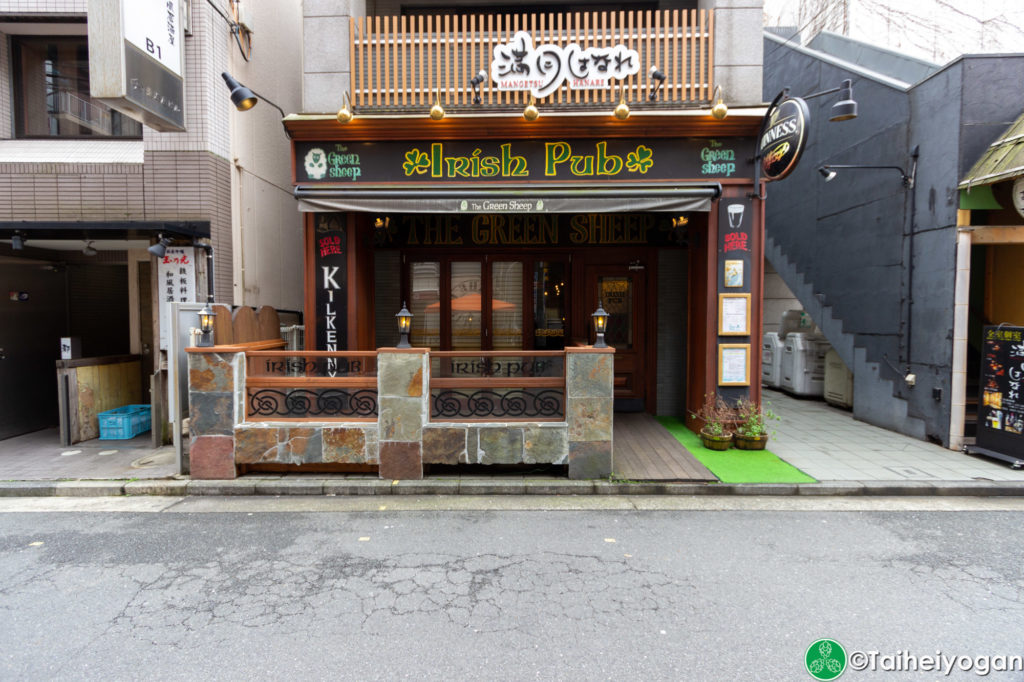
[639, 161]
[416, 162]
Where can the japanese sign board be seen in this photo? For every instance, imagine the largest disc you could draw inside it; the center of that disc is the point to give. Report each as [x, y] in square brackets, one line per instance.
[176, 283]
[520, 66]
[1001, 407]
[136, 60]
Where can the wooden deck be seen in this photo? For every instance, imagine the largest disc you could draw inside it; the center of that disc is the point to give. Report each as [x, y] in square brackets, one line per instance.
[643, 450]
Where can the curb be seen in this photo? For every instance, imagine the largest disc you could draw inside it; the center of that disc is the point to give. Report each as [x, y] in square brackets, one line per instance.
[314, 486]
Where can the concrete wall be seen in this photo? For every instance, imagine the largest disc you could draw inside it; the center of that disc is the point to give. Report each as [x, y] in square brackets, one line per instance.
[266, 225]
[738, 49]
[855, 238]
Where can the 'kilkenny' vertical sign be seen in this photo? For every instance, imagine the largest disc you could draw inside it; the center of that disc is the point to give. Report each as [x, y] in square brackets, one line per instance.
[331, 300]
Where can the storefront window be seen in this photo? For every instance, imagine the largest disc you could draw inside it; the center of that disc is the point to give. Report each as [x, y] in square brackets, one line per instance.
[617, 297]
[549, 294]
[467, 298]
[425, 305]
[51, 92]
[507, 305]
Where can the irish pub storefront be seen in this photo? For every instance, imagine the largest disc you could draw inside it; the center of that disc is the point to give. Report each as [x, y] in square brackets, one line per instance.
[490, 287]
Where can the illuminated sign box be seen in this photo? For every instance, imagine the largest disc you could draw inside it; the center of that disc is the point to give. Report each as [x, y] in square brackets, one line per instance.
[135, 60]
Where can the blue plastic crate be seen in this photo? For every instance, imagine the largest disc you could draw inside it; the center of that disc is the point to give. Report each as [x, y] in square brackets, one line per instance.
[124, 422]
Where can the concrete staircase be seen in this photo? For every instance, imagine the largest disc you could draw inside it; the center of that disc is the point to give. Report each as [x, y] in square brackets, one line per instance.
[874, 400]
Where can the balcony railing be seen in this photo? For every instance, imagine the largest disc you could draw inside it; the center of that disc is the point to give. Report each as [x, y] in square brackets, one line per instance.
[403, 63]
[306, 385]
[497, 385]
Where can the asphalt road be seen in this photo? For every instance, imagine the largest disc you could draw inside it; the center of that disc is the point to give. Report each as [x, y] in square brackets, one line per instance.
[501, 595]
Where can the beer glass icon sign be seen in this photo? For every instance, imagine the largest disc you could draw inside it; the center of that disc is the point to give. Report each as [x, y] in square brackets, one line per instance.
[735, 215]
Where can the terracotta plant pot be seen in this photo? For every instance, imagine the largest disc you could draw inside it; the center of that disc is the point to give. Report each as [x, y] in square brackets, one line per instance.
[750, 442]
[712, 442]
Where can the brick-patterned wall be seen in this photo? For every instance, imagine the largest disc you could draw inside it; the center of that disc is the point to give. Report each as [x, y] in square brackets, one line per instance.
[170, 186]
[37, 6]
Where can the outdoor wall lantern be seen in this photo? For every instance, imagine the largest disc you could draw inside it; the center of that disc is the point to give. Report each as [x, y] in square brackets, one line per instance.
[160, 248]
[437, 111]
[345, 114]
[659, 79]
[622, 110]
[17, 241]
[720, 110]
[404, 325]
[600, 318]
[206, 314]
[204, 337]
[476, 82]
[531, 112]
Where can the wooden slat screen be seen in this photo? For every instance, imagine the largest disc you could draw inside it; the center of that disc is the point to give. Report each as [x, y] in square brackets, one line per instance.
[403, 63]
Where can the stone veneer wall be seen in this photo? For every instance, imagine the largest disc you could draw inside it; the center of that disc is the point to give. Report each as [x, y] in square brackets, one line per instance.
[403, 439]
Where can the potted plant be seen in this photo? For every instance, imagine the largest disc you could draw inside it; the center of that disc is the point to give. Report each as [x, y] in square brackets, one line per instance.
[752, 430]
[717, 417]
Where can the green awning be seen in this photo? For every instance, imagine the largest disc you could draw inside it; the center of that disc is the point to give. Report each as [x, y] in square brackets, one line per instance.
[1003, 160]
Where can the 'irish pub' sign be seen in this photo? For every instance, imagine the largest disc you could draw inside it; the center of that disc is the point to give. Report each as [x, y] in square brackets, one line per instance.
[570, 160]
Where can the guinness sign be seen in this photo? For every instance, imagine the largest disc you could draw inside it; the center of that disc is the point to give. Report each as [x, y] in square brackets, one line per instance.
[783, 137]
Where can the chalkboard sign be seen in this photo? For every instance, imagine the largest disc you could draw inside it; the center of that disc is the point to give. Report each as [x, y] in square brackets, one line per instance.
[1001, 404]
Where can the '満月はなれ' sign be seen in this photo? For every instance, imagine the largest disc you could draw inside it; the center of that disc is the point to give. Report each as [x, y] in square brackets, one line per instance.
[584, 160]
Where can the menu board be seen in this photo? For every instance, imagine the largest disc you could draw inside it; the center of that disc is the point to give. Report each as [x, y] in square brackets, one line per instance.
[1001, 404]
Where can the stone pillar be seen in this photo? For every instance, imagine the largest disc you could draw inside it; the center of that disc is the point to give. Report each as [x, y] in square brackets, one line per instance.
[216, 394]
[589, 406]
[402, 394]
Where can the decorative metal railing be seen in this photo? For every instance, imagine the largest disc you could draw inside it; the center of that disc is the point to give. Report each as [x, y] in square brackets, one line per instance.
[302, 385]
[403, 63]
[497, 385]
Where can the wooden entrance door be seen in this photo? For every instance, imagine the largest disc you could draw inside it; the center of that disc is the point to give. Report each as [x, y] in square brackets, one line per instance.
[622, 293]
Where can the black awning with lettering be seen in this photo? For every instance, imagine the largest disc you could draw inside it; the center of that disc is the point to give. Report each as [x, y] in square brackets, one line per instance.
[623, 198]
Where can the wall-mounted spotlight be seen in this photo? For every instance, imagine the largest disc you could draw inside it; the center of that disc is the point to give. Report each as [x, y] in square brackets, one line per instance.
[17, 241]
[531, 112]
[476, 82]
[88, 249]
[382, 222]
[245, 98]
[622, 110]
[719, 111]
[846, 107]
[659, 79]
[345, 114]
[829, 171]
[160, 248]
[680, 221]
[437, 111]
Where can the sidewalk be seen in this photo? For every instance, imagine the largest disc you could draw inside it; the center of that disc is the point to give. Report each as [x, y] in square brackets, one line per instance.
[846, 456]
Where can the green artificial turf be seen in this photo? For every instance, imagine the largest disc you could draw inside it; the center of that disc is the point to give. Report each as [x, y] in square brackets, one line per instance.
[736, 466]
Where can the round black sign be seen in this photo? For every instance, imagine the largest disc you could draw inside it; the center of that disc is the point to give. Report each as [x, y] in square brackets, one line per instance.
[783, 138]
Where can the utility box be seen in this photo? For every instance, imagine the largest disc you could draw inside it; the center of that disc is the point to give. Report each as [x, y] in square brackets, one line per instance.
[838, 381]
[803, 364]
[771, 360]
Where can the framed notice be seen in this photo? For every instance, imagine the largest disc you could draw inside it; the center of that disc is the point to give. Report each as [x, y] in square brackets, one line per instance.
[733, 273]
[734, 314]
[734, 364]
